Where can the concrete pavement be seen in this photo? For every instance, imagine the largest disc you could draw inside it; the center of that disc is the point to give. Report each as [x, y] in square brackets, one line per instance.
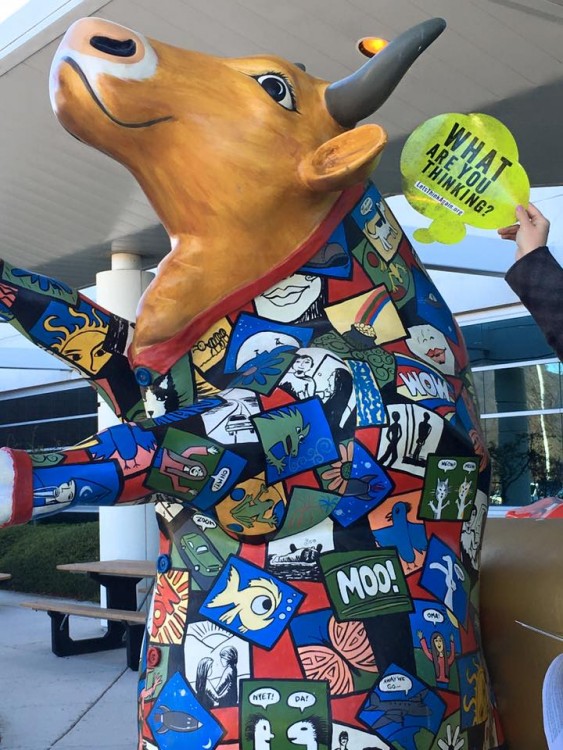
[84, 702]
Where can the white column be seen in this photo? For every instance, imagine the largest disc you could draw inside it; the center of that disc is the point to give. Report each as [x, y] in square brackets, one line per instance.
[128, 532]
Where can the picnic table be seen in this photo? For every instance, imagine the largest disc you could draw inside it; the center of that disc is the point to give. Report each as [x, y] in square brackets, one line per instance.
[125, 623]
[118, 577]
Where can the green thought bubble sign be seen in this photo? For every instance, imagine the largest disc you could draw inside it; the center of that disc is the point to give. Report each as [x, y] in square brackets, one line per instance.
[462, 169]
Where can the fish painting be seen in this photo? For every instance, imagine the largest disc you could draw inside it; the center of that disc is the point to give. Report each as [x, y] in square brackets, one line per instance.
[254, 604]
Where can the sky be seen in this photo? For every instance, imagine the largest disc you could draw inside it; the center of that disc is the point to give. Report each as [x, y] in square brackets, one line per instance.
[8, 7]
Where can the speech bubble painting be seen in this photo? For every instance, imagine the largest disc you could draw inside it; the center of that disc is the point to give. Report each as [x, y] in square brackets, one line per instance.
[433, 616]
[301, 700]
[204, 522]
[460, 170]
[447, 464]
[395, 683]
[264, 697]
[220, 478]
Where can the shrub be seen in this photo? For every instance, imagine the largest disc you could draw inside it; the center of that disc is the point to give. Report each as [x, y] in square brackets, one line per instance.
[31, 554]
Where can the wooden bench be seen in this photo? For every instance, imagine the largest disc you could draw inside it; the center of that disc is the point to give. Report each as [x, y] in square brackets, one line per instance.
[5, 576]
[125, 627]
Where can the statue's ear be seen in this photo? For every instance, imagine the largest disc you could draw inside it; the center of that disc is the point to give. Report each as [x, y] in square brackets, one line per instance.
[345, 160]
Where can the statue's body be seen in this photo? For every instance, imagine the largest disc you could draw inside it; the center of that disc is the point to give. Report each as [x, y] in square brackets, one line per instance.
[304, 413]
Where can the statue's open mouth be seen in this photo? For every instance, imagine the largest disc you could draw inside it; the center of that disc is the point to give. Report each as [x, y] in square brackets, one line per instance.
[144, 124]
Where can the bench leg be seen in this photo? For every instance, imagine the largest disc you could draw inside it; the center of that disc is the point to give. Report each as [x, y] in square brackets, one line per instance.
[63, 645]
[134, 644]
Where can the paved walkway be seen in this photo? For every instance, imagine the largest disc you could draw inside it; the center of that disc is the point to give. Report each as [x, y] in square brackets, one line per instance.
[50, 703]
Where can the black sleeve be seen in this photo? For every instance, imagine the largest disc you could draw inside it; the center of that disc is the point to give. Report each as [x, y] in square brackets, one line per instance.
[537, 279]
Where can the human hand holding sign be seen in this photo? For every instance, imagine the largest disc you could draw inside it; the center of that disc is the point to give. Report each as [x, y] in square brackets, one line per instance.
[529, 233]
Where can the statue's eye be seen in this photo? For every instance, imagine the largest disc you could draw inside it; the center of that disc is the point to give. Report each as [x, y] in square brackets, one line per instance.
[279, 88]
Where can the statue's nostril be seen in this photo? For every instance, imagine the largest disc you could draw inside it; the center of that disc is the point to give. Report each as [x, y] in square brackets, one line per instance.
[114, 47]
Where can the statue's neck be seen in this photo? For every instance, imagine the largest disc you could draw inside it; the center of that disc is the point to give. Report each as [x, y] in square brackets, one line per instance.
[226, 276]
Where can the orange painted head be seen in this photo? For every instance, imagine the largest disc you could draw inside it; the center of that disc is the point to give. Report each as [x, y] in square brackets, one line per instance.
[241, 158]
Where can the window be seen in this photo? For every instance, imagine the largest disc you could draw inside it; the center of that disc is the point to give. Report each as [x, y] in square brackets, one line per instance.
[48, 420]
[519, 384]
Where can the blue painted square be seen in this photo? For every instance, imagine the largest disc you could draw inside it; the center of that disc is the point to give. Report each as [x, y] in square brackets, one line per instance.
[123, 441]
[249, 328]
[60, 323]
[431, 306]
[399, 706]
[333, 260]
[295, 438]
[251, 603]
[178, 721]
[369, 404]
[444, 576]
[59, 487]
[185, 412]
[462, 416]
[367, 487]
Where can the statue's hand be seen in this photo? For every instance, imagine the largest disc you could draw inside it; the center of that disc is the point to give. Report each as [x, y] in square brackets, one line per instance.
[16, 498]
[7, 480]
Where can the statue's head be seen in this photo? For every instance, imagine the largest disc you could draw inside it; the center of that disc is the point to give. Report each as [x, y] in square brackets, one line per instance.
[177, 116]
[241, 158]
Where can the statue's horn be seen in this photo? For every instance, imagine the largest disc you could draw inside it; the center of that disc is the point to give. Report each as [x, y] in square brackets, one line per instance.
[362, 93]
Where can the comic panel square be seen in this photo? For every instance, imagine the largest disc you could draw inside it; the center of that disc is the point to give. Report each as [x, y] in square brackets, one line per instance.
[365, 584]
[450, 486]
[437, 642]
[373, 216]
[295, 438]
[403, 709]
[444, 576]
[250, 603]
[338, 652]
[194, 469]
[360, 480]
[431, 306]
[284, 714]
[170, 607]
[253, 336]
[177, 714]
[333, 259]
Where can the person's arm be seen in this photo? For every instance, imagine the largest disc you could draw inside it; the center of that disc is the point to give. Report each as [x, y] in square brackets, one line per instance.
[536, 277]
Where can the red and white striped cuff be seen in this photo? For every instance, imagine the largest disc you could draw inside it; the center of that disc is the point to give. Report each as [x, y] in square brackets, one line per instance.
[16, 487]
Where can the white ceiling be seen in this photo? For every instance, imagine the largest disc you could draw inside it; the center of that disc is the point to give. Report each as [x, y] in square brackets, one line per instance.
[64, 206]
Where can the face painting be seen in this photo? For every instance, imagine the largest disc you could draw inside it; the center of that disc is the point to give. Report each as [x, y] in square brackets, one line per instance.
[290, 299]
[430, 345]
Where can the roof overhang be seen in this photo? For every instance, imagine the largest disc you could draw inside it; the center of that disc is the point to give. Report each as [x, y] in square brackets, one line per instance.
[64, 207]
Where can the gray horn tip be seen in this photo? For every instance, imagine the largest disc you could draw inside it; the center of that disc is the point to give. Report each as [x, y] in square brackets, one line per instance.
[362, 93]
[437, 25]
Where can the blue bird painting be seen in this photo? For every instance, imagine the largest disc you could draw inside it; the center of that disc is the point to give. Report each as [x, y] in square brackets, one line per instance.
[125, 440]
[409, 538]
